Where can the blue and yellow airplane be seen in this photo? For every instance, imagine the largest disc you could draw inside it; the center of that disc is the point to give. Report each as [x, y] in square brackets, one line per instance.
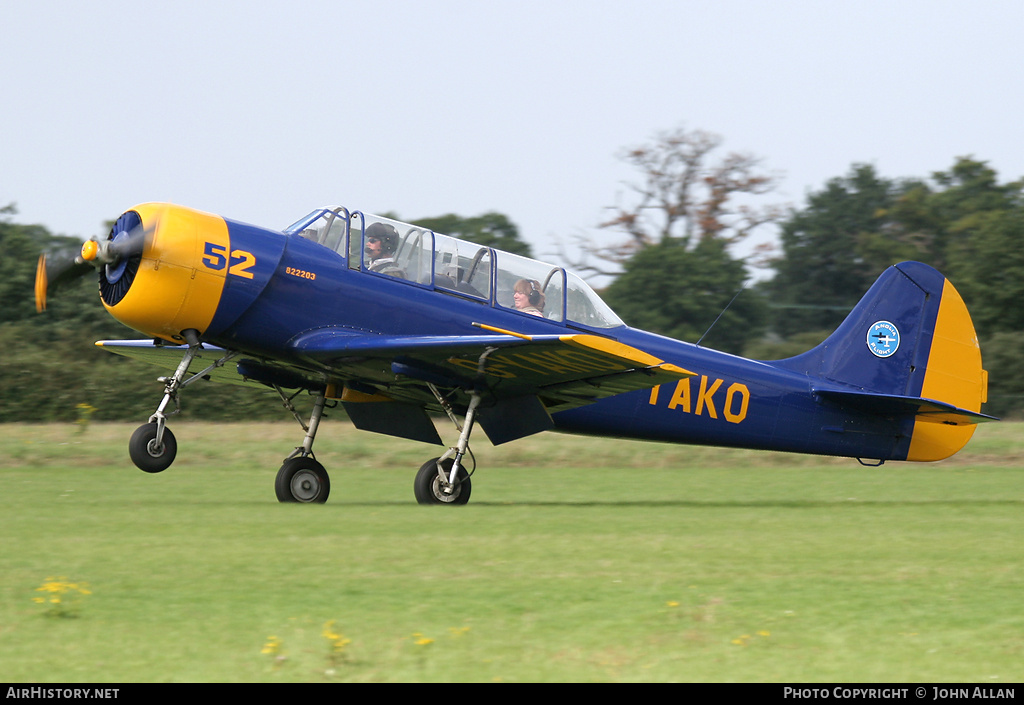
[399, 325]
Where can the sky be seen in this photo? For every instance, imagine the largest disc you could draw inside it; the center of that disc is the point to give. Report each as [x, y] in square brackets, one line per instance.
[261, 111]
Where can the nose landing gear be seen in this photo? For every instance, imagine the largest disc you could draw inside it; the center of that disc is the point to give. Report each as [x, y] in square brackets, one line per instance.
[152, 447]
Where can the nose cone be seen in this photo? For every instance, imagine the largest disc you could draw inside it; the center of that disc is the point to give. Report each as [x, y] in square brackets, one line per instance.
[160, 287]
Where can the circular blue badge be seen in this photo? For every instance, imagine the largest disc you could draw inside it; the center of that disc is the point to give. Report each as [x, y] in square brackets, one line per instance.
[883, 339]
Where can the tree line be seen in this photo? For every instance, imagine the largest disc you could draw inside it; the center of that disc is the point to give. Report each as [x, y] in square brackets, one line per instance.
[677, 272]
[675, 255]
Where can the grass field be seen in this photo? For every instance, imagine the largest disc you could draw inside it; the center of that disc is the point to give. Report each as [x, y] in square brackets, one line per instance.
[576, 560]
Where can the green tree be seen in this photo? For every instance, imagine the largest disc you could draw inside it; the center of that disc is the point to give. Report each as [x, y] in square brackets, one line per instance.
[491, 229]
[989, 270]
[822, 271]
[679, 291]
[1002, 353]
[962, 221]
[75, 305]
[980, 233]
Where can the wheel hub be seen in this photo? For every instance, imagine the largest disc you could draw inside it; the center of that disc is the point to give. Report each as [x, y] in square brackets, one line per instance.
[305, 486]
[445, 492]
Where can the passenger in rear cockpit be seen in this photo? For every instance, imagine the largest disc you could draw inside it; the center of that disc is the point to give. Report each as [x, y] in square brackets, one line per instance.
[381, 245]
[527, 297]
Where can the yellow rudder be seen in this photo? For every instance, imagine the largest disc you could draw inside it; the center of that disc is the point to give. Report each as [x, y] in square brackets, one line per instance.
[953, 375]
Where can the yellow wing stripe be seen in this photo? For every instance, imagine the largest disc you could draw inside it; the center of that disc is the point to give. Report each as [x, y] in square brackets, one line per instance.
[629, 355]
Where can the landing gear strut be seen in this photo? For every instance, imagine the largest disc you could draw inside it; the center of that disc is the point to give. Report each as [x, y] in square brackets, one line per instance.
[152, 447]
[302, 478]
[444, 480]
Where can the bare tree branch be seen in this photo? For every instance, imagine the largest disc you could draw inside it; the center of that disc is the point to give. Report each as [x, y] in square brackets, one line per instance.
[682, 194]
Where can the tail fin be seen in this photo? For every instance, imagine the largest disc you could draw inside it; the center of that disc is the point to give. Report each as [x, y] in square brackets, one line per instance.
[908, 349]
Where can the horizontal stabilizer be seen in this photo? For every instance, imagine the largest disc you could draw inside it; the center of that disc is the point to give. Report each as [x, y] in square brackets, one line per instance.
[929, 410]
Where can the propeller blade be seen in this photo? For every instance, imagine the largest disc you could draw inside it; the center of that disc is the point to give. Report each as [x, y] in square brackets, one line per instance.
[55, 271]
[41, 283]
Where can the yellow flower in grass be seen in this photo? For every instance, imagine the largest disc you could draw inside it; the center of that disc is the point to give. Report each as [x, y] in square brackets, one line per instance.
[85, 412]
[272, 647]
[337, 640]
[328, 631]
[62, 595]
[745, 639]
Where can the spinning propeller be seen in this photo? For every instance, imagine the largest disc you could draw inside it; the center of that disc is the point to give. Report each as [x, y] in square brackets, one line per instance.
[114, 257]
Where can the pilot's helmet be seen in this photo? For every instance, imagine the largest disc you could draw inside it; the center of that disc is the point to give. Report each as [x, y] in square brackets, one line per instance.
[387, 235]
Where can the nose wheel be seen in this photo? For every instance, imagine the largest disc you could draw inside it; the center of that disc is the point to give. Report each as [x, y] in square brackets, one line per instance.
[149, 452]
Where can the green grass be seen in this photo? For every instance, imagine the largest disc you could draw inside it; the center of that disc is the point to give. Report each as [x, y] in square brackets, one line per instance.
[576, 560]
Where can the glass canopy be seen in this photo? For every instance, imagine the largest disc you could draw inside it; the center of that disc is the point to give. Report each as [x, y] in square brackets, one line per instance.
[405, 251]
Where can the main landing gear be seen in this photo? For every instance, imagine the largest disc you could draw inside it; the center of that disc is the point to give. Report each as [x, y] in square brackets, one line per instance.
[443, 480]
[440, 481]
[302, 478]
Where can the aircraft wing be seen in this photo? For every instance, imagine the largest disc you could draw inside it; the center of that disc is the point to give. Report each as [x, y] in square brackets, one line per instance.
[387, 382]
[522, 378]
[567, 370]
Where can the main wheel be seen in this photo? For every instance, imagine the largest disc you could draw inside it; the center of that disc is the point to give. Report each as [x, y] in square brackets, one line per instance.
[302, 480]
[429, 488]
[146, 454]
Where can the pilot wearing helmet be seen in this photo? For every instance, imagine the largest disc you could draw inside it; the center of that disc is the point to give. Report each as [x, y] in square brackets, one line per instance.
[381, 245]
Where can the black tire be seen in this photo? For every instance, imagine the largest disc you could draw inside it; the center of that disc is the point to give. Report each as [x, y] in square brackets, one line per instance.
[144, 452]
[302, 480]
[428, 485]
